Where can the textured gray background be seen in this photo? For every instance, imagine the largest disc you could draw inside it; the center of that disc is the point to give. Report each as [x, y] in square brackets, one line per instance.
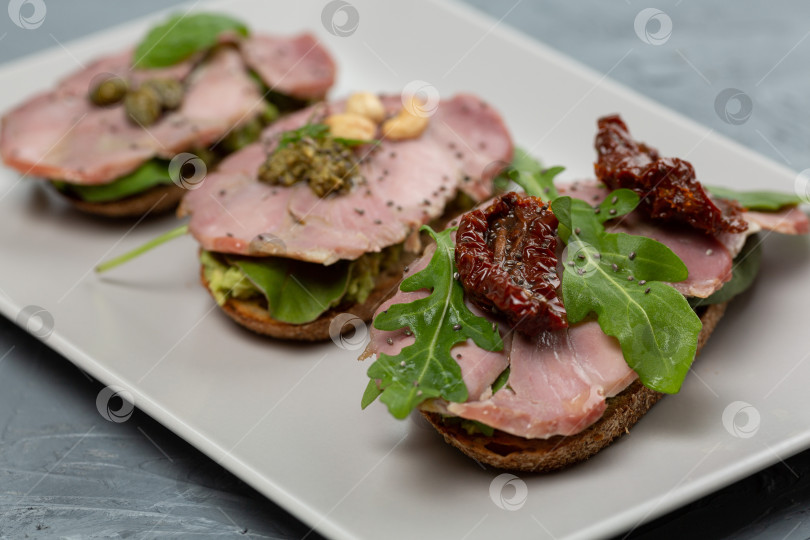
[65, 472]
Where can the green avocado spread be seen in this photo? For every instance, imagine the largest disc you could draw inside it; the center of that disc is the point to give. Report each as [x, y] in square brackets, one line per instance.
[294, 291]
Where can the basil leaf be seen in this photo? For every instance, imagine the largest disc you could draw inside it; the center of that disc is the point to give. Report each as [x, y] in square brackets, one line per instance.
[297, 292]
[181, 36]
[426, 368]
[150, 174]
[746, 268]
[766, 201]
[655, 326]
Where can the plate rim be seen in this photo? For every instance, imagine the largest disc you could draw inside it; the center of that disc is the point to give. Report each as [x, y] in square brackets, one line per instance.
[294, 505]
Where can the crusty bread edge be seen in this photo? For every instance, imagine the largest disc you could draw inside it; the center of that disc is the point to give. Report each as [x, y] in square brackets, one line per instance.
[505, 451]
[156, 200]
[254, 316]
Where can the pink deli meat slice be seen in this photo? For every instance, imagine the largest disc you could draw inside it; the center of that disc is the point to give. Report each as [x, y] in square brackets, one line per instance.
[709, 262]
[220, 97]
[65, 137]
[80, 83]
[558, 383]
[789, 220]
[407, 184]
[298, 66]
[61, 135]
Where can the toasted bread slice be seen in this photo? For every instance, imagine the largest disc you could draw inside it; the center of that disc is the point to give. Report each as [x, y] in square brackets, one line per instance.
[252, 314]
[156, 200]
[505, 451]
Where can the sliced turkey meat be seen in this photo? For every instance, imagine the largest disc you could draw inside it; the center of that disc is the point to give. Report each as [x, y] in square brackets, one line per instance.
[407, 183]
[558, 382]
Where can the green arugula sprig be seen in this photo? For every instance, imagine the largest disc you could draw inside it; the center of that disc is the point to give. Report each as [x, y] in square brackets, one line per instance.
[619, 277]
[529, 174]
[181, 36]
[766, 201]
[426, 369]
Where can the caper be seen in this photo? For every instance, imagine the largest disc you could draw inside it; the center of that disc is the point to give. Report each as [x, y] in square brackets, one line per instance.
[109, 91]
[169, 91]
[143, 106]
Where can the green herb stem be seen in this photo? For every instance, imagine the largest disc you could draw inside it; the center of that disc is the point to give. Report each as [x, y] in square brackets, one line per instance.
[151, 244]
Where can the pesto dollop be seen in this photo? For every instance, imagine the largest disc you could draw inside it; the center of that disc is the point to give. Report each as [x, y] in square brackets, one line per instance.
[325, 163]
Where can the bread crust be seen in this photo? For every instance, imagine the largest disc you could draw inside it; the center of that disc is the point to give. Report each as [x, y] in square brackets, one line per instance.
[156, 200]
[505, 451]
[254, 316]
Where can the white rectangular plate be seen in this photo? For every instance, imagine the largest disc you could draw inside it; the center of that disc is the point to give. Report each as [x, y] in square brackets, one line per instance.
[286, 418]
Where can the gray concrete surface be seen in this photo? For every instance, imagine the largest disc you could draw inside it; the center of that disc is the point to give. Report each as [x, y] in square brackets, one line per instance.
[65, 472]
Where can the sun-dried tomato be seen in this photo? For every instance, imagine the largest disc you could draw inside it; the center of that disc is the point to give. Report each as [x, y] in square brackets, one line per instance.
[668, 187]
[506, 256]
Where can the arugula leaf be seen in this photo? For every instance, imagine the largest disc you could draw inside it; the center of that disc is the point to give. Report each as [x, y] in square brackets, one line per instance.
[529, 174]
[619, 277]
[619, 203]
[371, 393]
[746, 268]
[297, 292]
[767, 201]
[150, 174]
[426, 368]
[523, 161]
[502, 379]
[539, 184]
[181, 36]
